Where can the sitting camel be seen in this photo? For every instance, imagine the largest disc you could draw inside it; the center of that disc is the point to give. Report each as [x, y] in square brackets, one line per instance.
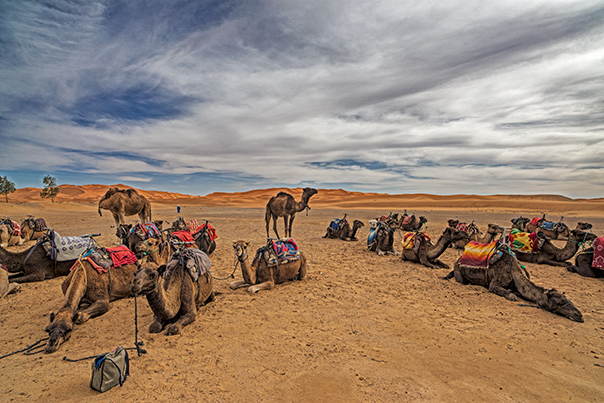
[584, 226]
[381, 236]
[493, 230]
[175, 296]
[551, 230]
[33, 264]
[469, 228]
[341, 229]
[520, 223]
[411, 223]
[261, 275]
[87, 295]
[505, 276]
[125, 202]
[203, 235]
[419, 249]
[590, 262]
[554, 256]
[10, 236]
[132, 235]
[32, 229]
[284, 205]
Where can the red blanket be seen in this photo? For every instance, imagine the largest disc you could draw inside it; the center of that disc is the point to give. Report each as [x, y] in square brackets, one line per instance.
[121, 255]
[184, 236]
[598, 261]
[535, 221]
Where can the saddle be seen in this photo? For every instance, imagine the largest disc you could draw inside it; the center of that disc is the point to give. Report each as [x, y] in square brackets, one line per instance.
[337, 224]
[479, 255]
[63, 248]
[103, 259]
[413, 240]
[13, 227]
[598, 259]
[38, 225]
[183, 236]
[194, 260]
[146, 231]
[282, 251]
[526, 242]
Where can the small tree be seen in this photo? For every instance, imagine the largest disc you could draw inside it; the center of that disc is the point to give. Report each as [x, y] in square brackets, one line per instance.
[51, 190]
[6, 187]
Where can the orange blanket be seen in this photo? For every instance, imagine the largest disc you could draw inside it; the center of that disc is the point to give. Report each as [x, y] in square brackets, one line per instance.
[410, 239]
[477, 254]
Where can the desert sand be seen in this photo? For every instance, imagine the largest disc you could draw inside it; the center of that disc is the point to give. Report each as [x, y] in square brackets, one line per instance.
[360, 328]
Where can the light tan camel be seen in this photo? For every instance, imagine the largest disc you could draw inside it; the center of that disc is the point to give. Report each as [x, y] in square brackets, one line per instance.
[174, 299]
[262, 276]
[87, 295]
[427, 254]
[505, 277]
[154, 250]
[554, 256]
[124, 203]
[7, 238]
[32, 229]
[284, 205]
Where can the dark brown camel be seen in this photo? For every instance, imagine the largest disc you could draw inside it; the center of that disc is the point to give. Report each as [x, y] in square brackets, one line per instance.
[38, 266]
[583, 265]
[284, 205]
[427, 254]
[413, 223]
[505, 277]
[87, 295]
[259, 275]
[381, 239]
[520, 223]
[174, 297]
[125, 202]
[554, 256]
[493, 230]
[558, 230]
[202, 237]
[132, 238]
[344, 232]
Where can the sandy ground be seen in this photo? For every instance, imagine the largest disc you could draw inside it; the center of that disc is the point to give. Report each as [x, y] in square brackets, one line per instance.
[360, 328]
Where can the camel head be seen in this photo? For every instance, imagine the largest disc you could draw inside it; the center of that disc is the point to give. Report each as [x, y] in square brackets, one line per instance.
[146, 279]
[581, 236]
[59, 330]
[453, 223]
[584, 226]
[142, 249]
[422, 220]
[494, 229]
[179, 225]
[122, 231]
[240, 249]
[357, 224]
[454, 235]
[307, 193]
[558, 303]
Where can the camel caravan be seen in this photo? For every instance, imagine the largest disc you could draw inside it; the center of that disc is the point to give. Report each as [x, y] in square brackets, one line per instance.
[170, 264]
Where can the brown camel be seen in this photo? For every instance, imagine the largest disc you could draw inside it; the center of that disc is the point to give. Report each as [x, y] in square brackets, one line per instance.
[202, 237]
[427, 254]
[125, 202]
[37, 267]
[262, 276]
[493, 230]
[554, 256]
[87, 295]
[32, 229]
[583, 265]
[344, 231]
[284, 205]
[584, 226]
[154, 250]
[381, 238]
[174, 296]
[412, 223]
[132, 238]
[520, 223]
[551, 230]
[7, 237]
[506, 276]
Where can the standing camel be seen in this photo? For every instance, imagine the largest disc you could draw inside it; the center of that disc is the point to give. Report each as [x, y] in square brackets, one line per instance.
[284, 205]
[123, 203]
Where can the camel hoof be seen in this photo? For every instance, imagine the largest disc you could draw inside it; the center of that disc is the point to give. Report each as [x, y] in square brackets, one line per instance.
[80, 318]
[155, 328]
[172, 330]
[512, 297]
[253, 290]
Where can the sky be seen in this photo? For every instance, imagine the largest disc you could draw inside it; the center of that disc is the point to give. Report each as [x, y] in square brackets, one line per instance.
[440, 97]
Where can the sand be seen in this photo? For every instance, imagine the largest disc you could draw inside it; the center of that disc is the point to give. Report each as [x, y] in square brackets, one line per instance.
[360, 328]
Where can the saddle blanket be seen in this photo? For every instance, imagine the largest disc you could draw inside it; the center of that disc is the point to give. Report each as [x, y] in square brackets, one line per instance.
[211, 232]
[69, 247]
[335, 224]
[103, 259]
[548, 225]
[183, 236]
[598, 260]
[412, 239]
[37, 225]
[407, 220]
[523, 241]
[371, 236]
[146, 231]
[477, 254]
[12, 226]
[195, 260]
[535, 221]
[286, 249]
[463, 226]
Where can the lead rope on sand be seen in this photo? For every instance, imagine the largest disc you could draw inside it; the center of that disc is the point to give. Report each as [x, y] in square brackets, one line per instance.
[31, 349]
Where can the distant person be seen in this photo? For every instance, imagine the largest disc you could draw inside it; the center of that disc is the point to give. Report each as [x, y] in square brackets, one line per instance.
[177, 209]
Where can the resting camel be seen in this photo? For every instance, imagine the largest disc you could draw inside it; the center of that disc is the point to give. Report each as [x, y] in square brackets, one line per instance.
[125, 202]
[284, 205]
[383, 243]
[259, 275]
[37, 267]
[174, 298]
[344, 231]
[505, 276]
[520, 223]
[583, 265]
[493, 230]
[412, 223]
[554, 256]
[154, 250]
[558, 231]
[7, 238]
[202, 238]
[33, 228]
[131, 238]
[427, 254]
[87, 295]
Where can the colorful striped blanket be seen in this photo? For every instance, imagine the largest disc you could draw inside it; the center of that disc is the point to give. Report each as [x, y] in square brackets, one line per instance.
[286, 249]
[523, 241]
[412, 239]
[12, 226]
[477, 254]
[598, 260]
[146, 231]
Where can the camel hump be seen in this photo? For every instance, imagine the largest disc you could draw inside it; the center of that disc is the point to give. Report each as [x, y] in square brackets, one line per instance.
[281, 194]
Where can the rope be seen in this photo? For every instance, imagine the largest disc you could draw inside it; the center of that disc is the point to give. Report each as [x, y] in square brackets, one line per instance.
[31, 349]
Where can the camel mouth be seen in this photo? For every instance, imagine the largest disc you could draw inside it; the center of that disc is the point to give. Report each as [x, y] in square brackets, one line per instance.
[56, 337]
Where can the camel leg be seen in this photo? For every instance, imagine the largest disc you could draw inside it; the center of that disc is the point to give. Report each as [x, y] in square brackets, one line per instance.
[423, 259]
[553, 262]
[13, 288]
[28, 278]
[582, 270]
[95, 309]
[187, 304]
[439, 263]
[238, 284]
[502, 292]
[156, 326]
[291, 223]
[303, 269]
[275, 226]
[267, 285]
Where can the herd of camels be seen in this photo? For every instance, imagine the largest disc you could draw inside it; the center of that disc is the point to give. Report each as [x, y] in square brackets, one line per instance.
[172, 268]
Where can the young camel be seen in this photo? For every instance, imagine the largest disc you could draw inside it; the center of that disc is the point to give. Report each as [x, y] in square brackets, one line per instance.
[259, 275]
[505, 277]
[428, 254]
[554, 256]
[87, 295]
[284, 205]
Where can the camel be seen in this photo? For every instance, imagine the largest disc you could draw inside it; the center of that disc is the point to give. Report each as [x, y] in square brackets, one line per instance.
[124, 203]
[554, 256]
[32, 229]
[471, 229]
[551, 230]
[584, 226]
[154, 250]
[381, 239]
[427, 254]
[261, 276]
[37, 267]
[344, 231]
[132, 238]
[175, 296]
[202, 237]
[284, 205]
[7, 237]
[5, 286]
[583, 265]
[505, 276]
[411, 223]
[87, 295]
[492, 231]
[520, 223]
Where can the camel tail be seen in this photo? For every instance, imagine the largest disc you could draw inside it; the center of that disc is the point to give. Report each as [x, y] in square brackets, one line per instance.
[101, 214]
